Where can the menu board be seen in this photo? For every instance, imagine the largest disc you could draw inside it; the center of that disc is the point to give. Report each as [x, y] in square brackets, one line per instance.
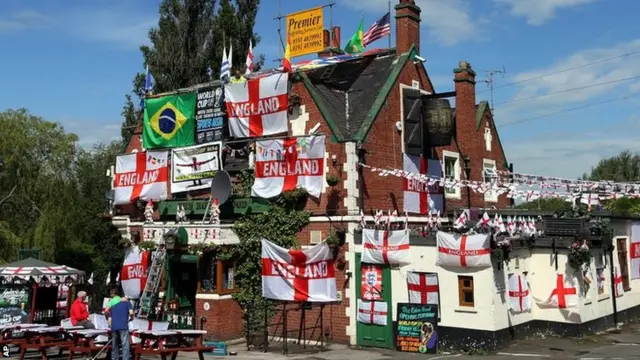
[417, 328]
[210, 115]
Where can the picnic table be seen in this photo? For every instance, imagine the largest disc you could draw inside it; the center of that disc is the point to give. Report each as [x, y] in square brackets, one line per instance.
[7, 332]
[84, 342]
[169, 342]
[42, 339]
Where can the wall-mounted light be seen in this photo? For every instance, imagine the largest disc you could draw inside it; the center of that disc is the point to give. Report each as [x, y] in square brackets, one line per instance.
[334, 159]
[399, 125]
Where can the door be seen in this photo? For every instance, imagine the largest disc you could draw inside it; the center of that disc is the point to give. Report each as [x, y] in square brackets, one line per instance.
[375, 335]
[622, 260]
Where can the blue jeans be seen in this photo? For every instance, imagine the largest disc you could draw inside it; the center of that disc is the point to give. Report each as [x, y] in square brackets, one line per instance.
[120, 339]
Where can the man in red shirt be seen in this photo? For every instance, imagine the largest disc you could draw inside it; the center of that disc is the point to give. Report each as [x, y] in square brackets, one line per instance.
[80, 313]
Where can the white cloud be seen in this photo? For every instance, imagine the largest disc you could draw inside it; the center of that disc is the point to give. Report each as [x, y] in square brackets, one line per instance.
[23, 20]
[449, 22]
[530, 97]
[537, 12]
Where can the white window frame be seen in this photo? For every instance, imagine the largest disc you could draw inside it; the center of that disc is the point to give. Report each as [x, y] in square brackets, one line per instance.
[489, 196]
[402, 87]
[456, 194]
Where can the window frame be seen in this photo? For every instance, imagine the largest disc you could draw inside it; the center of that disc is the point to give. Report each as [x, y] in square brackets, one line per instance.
[489, 196]
[401, 90]
[463, 290]
[219, 277]
[456, 191]
[623, 254]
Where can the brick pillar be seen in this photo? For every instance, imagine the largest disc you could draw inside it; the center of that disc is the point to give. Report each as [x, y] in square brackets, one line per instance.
[407, 26]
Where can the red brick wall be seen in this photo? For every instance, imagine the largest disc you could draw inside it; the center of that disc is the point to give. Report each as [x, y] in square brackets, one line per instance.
[224, 319]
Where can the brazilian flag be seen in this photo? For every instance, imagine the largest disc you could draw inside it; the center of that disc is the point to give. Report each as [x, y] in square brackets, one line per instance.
[169, 121]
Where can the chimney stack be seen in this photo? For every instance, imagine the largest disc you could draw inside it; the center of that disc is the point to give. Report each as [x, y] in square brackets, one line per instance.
[331, 47]
[407, 26]
[465, 84]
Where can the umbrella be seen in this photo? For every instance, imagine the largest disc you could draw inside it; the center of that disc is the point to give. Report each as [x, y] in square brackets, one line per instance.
[39, 271]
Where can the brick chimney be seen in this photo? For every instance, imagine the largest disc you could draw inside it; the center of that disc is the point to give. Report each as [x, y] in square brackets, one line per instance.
[331, 40]
[407, 26]
[465, 84]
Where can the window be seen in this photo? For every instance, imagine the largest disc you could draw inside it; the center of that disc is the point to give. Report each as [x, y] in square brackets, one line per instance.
[451, 161]
[465, 291]
[216, 276]
[402, 109]
[490, 175]
[621, 247]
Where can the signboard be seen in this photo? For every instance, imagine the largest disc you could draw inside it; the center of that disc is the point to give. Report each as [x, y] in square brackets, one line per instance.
[13, 315]
[210, 115]
[13, 296]
[193, 167]
[417, 328]
[305, 29]
[236, 206]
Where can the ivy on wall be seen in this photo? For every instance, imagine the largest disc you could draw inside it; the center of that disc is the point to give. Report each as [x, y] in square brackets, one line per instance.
[279, 225]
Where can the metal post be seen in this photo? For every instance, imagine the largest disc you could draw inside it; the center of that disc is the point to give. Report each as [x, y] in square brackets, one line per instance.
[285, 347]
[266, 330]
[322, 326]
[389, 36]
[613, 287]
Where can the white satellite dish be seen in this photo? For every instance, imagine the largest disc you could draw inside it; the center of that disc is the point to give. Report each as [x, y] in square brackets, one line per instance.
[221, 187]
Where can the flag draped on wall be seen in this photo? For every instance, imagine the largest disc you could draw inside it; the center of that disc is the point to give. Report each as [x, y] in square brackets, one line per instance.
[563, 296]
[298, 275]
[258, 107]
[134, 272]
[371, 282]
[617, 281]
[519, 295]
[467, 251]
[287, 164]
[372, 312]
[423, 288]
[385, 247]
[169, 121]
[141, 175]
[419, 196]
[634, 252]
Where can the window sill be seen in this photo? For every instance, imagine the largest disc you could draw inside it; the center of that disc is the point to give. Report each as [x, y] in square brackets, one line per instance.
[466, 309]
[455, 196]
[603, 297]
[588, 302]
[221, 292]
[213, 296]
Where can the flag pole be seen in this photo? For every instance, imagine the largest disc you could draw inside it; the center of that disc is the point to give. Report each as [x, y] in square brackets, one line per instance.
[389, 2]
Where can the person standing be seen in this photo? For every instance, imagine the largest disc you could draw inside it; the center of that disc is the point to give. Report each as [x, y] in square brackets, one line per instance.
[119, 316]
[80, 312]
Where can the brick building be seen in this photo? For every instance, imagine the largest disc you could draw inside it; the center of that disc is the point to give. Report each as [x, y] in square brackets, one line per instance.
[358, 104]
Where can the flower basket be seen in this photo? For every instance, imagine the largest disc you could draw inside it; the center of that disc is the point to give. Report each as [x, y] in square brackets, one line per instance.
[579, 254]
[332, 180]
[500, 251]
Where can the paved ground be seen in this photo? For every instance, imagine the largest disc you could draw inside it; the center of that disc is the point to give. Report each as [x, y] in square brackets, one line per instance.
[618, 345]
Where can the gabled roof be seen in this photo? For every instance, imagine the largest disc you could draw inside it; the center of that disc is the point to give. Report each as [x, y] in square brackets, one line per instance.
[481, 108]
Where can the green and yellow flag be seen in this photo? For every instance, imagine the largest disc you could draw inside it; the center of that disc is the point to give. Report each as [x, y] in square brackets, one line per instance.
[169, 121]
[354, 45]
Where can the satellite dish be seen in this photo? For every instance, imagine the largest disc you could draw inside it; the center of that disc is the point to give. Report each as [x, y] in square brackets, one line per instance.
[221, 187]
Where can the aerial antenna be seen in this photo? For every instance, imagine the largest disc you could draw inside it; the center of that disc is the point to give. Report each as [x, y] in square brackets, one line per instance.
[490, 81]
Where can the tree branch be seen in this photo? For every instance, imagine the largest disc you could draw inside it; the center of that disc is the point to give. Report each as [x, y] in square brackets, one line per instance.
[8, 196]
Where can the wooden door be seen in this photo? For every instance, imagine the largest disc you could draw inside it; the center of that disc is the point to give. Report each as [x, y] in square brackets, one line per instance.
[375, 335]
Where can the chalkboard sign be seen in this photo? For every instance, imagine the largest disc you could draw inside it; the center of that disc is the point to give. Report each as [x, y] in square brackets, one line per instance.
[210, 115]
[417, 328]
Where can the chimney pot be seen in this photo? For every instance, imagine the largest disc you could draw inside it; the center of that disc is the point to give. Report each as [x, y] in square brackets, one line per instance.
[336, 37]
[326, 36]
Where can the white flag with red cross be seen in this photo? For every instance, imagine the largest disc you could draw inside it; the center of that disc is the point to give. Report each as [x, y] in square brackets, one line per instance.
[423, 288]
[617, 281]
[372, 312]
[419, 196]
[371, 282]
[519, 294]
[634, 252]
[563, 296]
[141, 175]
[385, 247]
[298, 275]
[134, 272]
[467, 251]
[258, 107]
[287, 164]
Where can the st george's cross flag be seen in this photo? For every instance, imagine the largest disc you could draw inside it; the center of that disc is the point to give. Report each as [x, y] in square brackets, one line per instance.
[419, 196]
[372, 312]
[564, 295]
[141, 175]
[617, 281]
[385, 247]
[134, 272]
[298, 275]
[467, 251]
[519, 294]
[371, 282]
[287, 164]
[634, 250]
[258, 106]
[423, 288]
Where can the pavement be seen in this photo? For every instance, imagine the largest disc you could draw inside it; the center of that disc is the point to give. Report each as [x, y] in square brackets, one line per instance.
[616, 344]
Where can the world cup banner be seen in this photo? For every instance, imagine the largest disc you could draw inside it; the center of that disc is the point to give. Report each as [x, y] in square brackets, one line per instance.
[193, 167]
[287, 164]
[141, 175]
[134, 272]
[258, 107]
[298, 275]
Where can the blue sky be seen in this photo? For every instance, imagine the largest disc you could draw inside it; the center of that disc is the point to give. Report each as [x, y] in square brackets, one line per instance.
[72, 61]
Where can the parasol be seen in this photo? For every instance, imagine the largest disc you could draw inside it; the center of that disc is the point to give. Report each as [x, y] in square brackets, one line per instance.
[41, 272]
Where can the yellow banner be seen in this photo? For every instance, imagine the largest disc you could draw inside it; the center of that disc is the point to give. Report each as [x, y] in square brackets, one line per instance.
[305, 29]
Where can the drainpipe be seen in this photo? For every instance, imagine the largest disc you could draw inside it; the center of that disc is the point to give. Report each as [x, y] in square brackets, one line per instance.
[361, 159]
[613, 285]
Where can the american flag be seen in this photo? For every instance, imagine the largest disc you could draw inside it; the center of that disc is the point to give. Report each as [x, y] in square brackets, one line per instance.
[379, 29]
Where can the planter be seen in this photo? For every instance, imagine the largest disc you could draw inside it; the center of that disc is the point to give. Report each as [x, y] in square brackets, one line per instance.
[332, 180]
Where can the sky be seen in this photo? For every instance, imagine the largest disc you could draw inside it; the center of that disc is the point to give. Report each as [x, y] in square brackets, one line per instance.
[569, 94]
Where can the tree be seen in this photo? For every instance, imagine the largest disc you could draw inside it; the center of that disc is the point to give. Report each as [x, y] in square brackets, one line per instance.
[131, 116]
[546, 204]
[625, 167]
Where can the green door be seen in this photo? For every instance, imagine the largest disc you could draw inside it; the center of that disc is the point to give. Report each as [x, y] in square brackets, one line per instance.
[375, 335]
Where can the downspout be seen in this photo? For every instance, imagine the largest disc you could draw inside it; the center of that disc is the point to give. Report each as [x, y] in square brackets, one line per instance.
[361, 160]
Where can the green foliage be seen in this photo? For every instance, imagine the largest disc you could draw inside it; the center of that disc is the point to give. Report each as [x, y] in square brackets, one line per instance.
[625, 167]
[546, 204]
[579, 255]
[131, 116]
[281, 226]
[244, 181]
